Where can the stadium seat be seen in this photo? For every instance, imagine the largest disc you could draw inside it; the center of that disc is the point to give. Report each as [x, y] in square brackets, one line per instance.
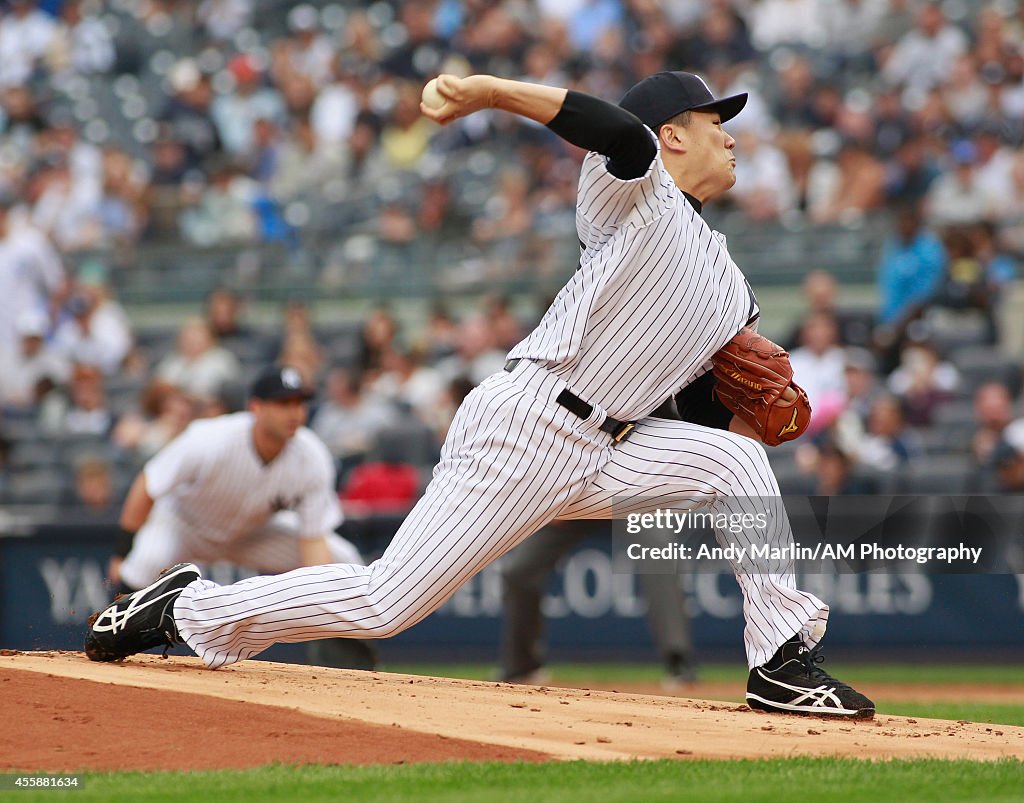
[38, 486]
[955, 414]
[940, 441]
[409, 442]
[925, 476]
[35, 454]
[980, 364]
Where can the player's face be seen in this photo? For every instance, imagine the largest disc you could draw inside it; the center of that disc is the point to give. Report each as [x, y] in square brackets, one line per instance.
[281, 418]
[710, 149]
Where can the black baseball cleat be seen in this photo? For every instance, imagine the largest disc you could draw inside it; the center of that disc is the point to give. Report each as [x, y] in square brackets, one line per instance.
[141, 620]
[793, 683]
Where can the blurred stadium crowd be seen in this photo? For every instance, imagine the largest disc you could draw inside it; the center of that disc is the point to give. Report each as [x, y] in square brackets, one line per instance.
[240, 124]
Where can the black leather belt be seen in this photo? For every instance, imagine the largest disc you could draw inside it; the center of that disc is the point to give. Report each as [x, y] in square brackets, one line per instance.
[619, 430]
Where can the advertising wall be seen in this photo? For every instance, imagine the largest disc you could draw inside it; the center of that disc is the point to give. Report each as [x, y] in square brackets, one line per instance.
[51, 580]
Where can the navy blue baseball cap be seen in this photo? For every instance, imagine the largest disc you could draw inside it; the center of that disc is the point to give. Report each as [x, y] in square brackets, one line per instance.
[276, 382]
[662, 96]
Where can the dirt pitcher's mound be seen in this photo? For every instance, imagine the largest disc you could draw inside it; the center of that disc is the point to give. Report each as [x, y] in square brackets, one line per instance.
[563, 723]
[66, 724]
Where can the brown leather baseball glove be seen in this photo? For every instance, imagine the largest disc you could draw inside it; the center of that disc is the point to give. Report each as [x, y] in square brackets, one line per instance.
[755, 381]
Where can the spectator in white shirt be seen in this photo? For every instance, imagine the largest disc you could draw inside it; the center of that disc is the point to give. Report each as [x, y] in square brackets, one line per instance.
[854, 26]
[67, 210]
[348, 419]
[26, 34]
[307, 54]
[994, 166]
[958, 197]
[775, 22]
[408, 383]
[82, 44]
[31, 277]
[966, 96]
[37, 369]
[224, 18]
[924, 56]
[199, 366]
[477, 355]
[84, 411]
[235, 114]
[334, 112]
[764, 185]
[819, 368]
[888, 441]
[97, 330]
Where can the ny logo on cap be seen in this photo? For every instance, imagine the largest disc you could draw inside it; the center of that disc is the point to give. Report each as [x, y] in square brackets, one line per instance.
[290, 378]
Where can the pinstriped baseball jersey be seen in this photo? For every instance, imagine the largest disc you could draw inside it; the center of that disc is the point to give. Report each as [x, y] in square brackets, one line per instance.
[211, 479]
[655, 296]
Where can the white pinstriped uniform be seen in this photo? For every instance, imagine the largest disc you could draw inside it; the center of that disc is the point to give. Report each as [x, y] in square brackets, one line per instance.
[655, 296]
[215, 499]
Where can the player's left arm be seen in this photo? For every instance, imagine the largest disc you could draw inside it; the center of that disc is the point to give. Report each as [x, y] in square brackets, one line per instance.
[319, 511]
[740, 427]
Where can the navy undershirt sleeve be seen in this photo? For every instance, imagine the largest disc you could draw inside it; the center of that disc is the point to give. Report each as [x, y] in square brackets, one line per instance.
[699, 404]
[596, 125]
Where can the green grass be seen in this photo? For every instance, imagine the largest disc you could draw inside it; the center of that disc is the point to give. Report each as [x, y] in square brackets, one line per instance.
[996, 674]
[996, 713]
[741, 781]
[652, 673]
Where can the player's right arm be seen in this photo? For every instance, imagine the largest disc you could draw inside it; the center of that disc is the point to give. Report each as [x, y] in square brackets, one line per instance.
[622, 179]
[583, 120]
[177, 463]
[134, 513]
[137, 505]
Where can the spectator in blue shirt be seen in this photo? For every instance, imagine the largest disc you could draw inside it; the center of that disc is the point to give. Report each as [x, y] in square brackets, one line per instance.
[912, 266]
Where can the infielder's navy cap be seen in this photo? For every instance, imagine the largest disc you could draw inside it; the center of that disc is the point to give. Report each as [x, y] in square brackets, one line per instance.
[662, 96]
[276, 382]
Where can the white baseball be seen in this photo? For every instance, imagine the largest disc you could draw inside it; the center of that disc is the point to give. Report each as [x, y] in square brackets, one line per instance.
[431, 98]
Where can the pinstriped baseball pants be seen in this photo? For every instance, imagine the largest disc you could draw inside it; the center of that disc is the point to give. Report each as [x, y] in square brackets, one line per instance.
[513, 461]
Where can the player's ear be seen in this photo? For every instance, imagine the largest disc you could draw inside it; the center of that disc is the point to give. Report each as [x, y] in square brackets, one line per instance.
[673, 137]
